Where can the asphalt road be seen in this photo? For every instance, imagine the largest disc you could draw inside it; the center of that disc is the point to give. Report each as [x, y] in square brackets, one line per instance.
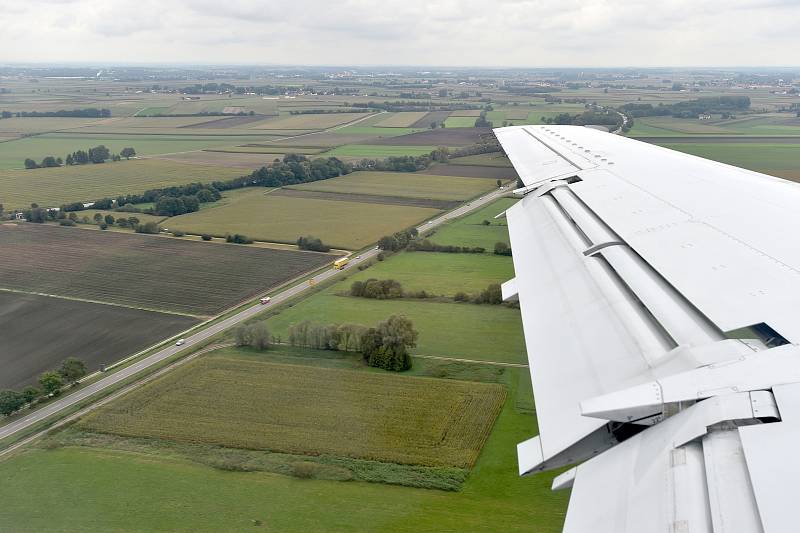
[69, 400]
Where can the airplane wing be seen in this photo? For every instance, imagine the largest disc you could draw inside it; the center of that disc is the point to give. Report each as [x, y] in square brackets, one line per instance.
[660, 299]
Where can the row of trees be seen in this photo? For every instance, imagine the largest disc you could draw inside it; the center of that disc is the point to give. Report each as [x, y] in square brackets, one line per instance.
[71, 370]
[383, 346]
[96, 155]
[426, 245]
[492, 295]
[689, 108]
[89, 112]
[397, 241]
[313, 244]
[379, 289]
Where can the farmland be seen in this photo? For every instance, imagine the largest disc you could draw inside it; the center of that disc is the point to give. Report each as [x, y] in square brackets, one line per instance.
[310, 121]
[777, 159]
[470, 231]
[55, 186]
[147, 272]
[407, 184]
[68, 328]
[401, 120]
[263, 216]
[459, 122]
[293, 409]
[358, 151]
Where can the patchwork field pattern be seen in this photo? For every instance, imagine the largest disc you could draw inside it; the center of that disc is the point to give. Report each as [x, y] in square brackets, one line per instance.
[308, 410]
[38, 332]
[148, 272]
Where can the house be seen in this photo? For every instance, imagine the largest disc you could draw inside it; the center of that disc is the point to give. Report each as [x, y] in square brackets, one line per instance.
[19, 216]
[703, 116]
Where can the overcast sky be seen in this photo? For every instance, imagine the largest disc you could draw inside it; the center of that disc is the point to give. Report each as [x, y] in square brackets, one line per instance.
[525, 33]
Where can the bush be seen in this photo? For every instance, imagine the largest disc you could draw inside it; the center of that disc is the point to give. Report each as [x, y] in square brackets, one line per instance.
[66, 222]
[178, 233]
[103, 225]
[255, 335]
[313, 244]
[490, 295]
[206, 237]
[382, 289]
[238, 238]
[501, 248]
[381, 256]
[461, 297]
[427, 246]
[148, 227]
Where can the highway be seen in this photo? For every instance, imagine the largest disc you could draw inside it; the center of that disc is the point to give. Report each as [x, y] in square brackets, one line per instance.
[69, 400]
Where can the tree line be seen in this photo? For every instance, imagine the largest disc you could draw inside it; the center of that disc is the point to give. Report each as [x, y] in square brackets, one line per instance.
[71, 370]
[89, 112]
[689, 108]
[96, 155]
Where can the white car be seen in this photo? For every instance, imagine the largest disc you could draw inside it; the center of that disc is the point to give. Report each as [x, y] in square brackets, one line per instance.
[358, 257]
[180, 342]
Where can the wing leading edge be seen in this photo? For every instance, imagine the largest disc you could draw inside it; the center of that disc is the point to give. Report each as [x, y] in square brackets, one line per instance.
[659, 298]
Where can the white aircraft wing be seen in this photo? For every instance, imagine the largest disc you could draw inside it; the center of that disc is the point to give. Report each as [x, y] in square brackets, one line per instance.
[660, 298]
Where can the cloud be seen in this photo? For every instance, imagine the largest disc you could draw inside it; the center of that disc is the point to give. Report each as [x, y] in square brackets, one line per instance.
[410, 32]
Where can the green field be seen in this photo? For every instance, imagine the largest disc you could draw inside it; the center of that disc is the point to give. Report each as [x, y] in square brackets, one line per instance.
[84, 183]
[300, 409]
[261, 216]
[468, 331]
[310, 121]
[402, 119]
[460, 122]
[156, 490]
[761, 157]
[470, 231]
[13, 153]
[377, 151]
[406, 184]
[442, 273]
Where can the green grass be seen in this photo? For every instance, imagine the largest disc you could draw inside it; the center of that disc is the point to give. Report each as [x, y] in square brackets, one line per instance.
[261, 216]
[84, 183]
[405, 184]
[468, 331]
[470, 231]
[441, 273]
[377, 151]
[157, 491]
[460, 122]
[153, 111]
[763, 157]
[301, 409]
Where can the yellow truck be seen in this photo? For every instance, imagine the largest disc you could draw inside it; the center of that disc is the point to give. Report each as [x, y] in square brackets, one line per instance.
[339, 264]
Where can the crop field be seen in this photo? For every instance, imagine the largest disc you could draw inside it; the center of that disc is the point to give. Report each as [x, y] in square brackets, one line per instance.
[377, 151]
[38, 332]
[407, 184]
[402, 120]
[310, 121]
[142, 271]
[459, 122]
[492, 160]
[301, 409]
[442, 273]
[13, 153]
[783, 159]
[262, 216]
[438, 137]
[366, 198]
[433, 116]
[43, 124]
[469, 230]
[245, 162]
[155, 488]
[466, 113]
[471, 171]
[462, 330]
[84, 183]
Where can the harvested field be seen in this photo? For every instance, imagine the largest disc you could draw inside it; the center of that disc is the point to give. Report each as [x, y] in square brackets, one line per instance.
[310, 121]
[38, 332]
[438, 137]
[229, 122]
[142, 271]
[517, 114]
[466, 113]
[84, 183]
[367, 198]
[470, 171]
[715, 139]
[493, 159]
[261, 215]
[401, 120]
[433, 116]
[408, 184]
[308, 410]
[368, 151]
[244, 162]
[459, 122]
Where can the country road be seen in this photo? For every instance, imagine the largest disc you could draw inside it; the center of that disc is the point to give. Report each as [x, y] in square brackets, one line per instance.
[70, 400]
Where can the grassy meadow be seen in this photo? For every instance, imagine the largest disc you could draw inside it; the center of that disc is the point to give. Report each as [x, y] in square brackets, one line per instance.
[470, 230]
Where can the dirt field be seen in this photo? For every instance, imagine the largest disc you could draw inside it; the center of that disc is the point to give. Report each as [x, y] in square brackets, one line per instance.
[367, 198]
[38, 332]
[402, 119]
[470, 171]
[433, 116]
[229, 122]
[142, 271]
[437, 137]
[307, 410]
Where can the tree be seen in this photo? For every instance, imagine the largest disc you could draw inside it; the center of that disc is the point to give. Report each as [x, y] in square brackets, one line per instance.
[148, 227]
[10, 401]
[434, 124]
[69, 160]
[98, 217]
[99, 154]
[30, 164]
[312, 243]
[127, 153]
[72, 369]
[51, 382]
[50, 162]
[492, 295]
[109, 219]
[501, 248]
[499, 183]
[254, 335]
[387, 345]
[205, 237]
[30, 393]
